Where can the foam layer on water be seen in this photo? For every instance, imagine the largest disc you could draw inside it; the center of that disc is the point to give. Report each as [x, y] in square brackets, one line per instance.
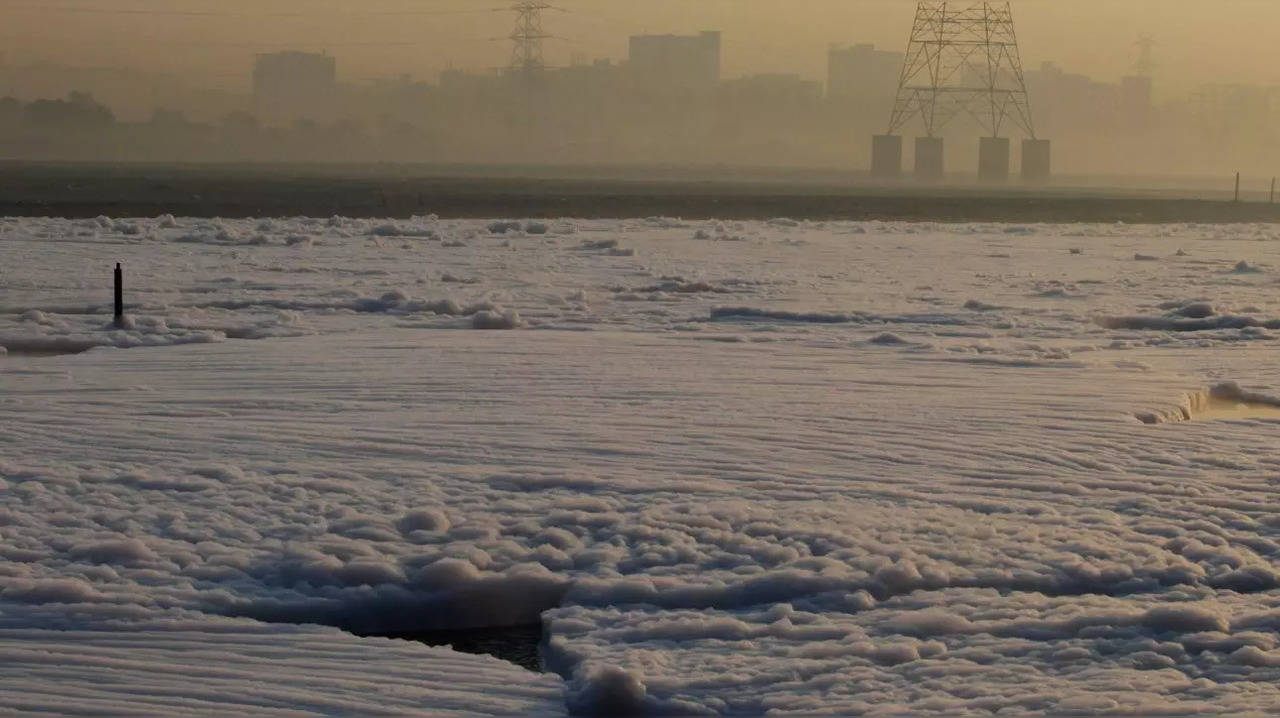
[845, 467]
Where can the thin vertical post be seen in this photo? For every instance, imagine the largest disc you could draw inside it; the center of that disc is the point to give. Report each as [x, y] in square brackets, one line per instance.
[1273, 191]
[119, 296]
[1237, 199]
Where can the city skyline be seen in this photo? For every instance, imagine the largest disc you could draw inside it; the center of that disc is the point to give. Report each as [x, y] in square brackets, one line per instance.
[665, 96]
[214, 44]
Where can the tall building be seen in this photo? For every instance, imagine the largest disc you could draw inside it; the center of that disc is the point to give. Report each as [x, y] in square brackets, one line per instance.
[769, 117]
[1073, 104]
[1135, 102]
[681, 63]
[293, 86]
[862, 72]
[861, 84]
[1236, 112]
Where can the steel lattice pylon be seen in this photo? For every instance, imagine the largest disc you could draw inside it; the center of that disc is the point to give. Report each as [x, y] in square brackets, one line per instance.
[526, 39]
[1146, 61]
[963, 60]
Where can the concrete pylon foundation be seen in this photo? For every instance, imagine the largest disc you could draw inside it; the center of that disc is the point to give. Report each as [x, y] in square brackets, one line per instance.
[886, 156]
[1036, 157]
[929, 166]
[993, 160]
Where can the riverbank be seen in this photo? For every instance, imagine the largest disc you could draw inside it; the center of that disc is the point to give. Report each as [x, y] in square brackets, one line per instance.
[238, 191]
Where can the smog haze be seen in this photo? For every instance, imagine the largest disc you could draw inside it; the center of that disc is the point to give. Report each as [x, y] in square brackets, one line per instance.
[1200, 41]
[1208, 86]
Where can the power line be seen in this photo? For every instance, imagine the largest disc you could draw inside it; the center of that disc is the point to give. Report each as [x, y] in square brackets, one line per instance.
[963, 60]
[78, 9]
[526, 39]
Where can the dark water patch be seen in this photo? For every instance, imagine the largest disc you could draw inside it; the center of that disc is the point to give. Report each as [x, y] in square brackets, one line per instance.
[44, 352]
[513, 644]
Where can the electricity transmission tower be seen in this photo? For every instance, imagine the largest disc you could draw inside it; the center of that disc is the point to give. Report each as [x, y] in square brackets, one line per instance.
[527, 63]
[963, 59]
[1146, 56]
[526, 39]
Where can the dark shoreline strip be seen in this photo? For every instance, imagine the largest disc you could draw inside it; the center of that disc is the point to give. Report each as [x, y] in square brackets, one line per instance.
[237, 191]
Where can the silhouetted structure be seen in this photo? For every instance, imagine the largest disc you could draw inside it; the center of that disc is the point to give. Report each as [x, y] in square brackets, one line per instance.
[1146, 56]
[1135, 102]
[119, 313]
[861, 82]
[526, 39]
[963, 61]
[293, 86]
[668, 104]
[78, 112]
[680, 63]
[528, 65]
[862, 72]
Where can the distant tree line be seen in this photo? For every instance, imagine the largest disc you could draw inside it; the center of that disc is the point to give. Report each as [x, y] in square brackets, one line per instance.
[79, 127]
[775, 122]
[478, 121]
[79, 112]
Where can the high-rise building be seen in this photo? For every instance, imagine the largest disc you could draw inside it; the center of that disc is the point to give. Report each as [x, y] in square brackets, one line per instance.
[1070, 103]
[293, 86]
[682, 63]
[1135, 102]
[1232, 112]
[861, 84]
[862, 72]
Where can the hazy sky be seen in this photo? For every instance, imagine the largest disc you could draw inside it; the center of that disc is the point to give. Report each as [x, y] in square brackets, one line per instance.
[213, 41]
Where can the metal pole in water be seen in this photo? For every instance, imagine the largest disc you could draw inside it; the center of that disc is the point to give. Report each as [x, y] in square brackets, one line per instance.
[1273, 190]
[1237, 199]
[119, 296]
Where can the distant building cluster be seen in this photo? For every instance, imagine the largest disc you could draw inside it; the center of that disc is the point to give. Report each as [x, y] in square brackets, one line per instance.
[291, 86]
[676, 64]
[667, 102]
